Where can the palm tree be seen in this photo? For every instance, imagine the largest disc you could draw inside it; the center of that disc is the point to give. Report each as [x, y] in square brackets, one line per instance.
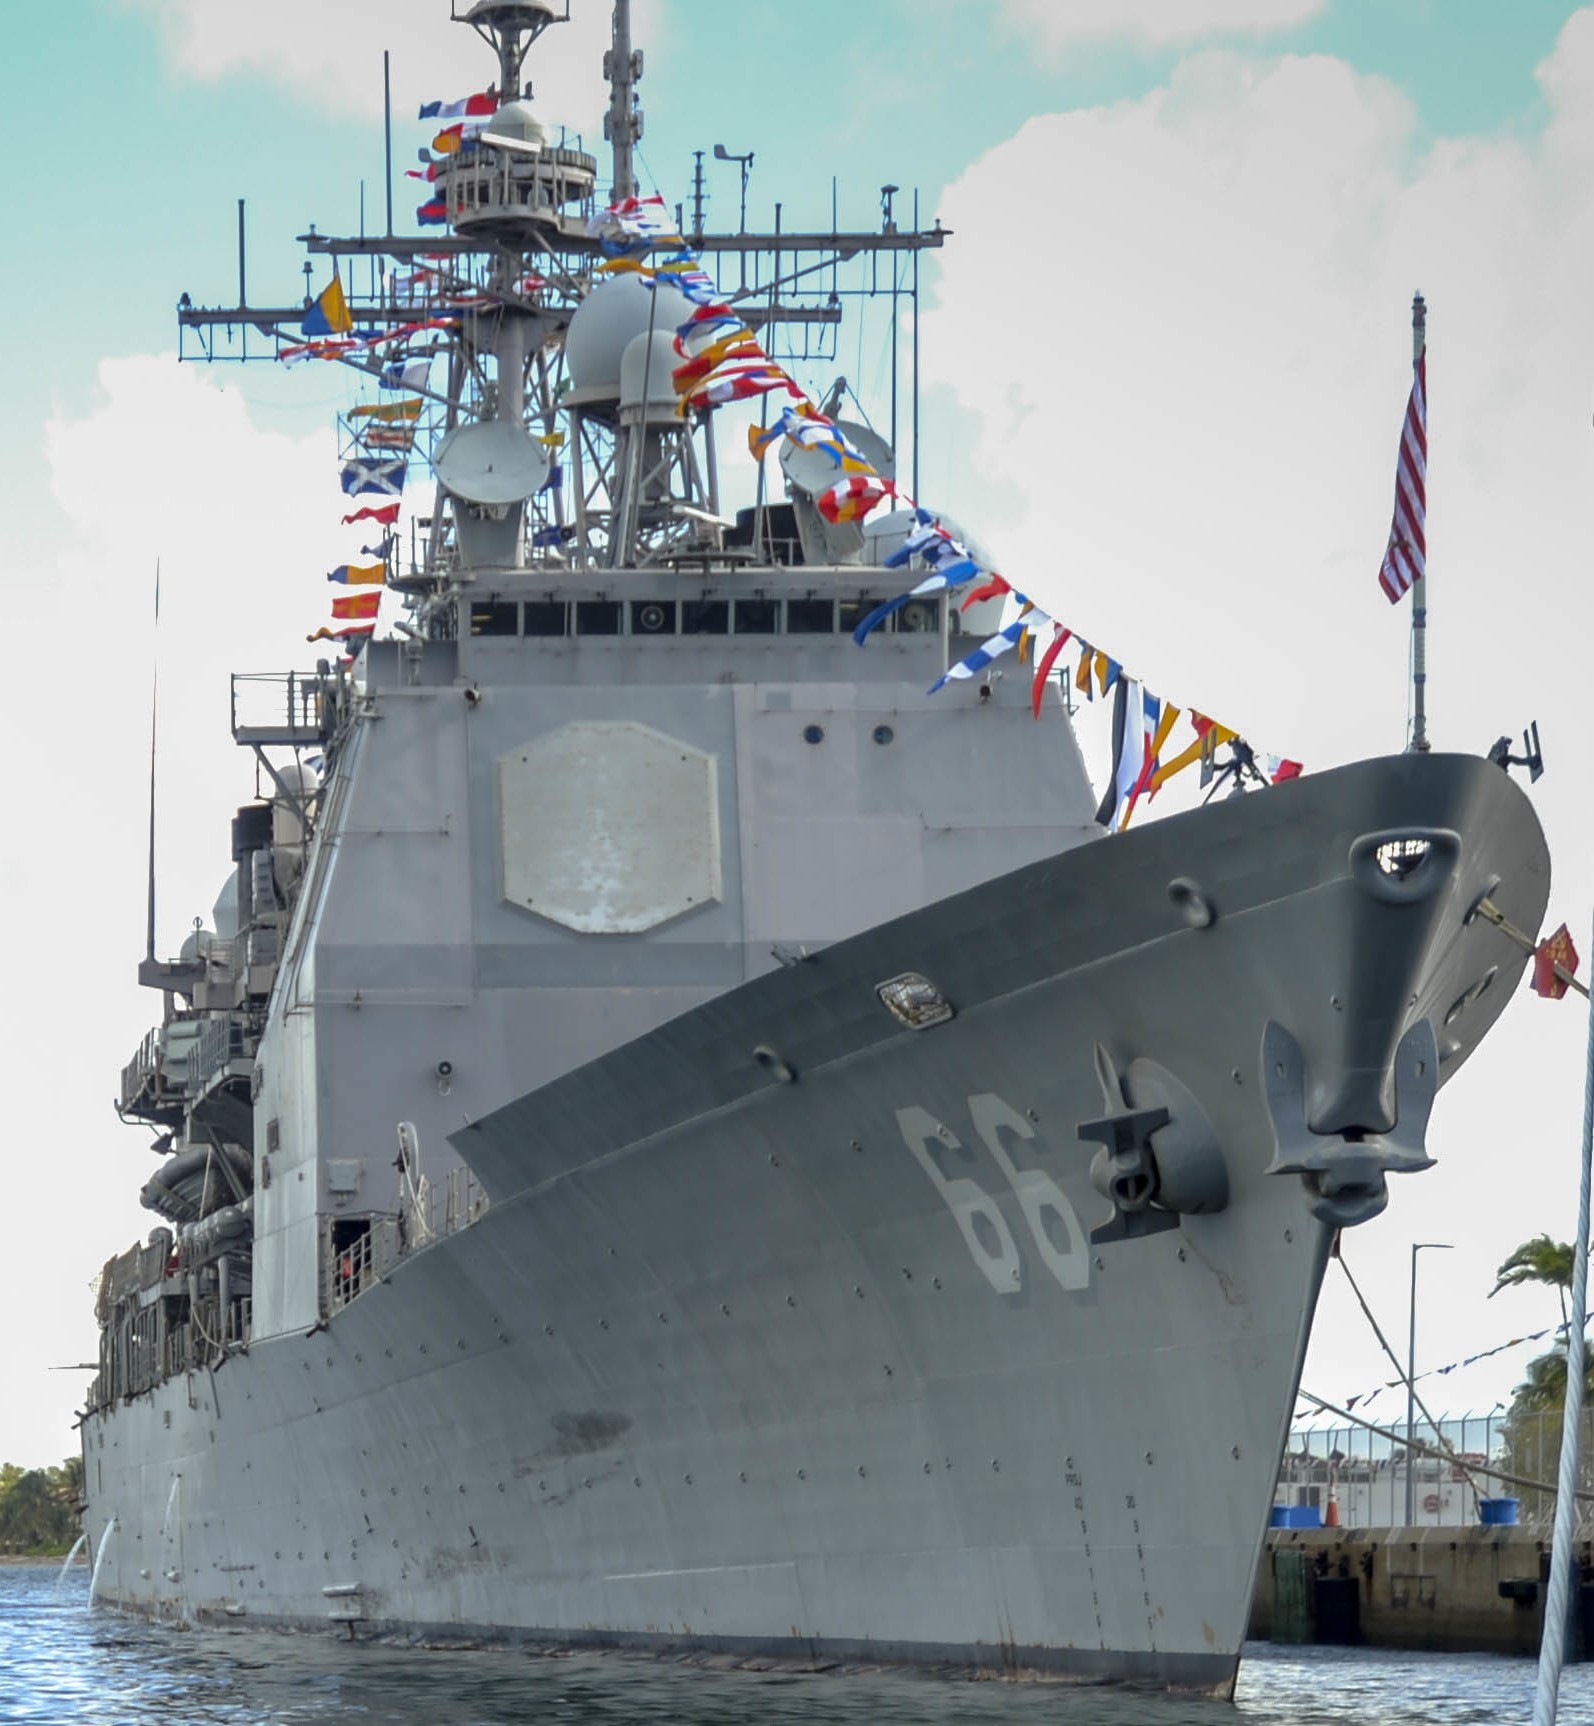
[1539, 1260]
[1544, 1389]
[66, 1484]
[1532, 1426]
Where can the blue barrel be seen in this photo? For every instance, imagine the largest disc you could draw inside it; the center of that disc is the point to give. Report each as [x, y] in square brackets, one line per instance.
[1279, 1517]
[1498, 1512]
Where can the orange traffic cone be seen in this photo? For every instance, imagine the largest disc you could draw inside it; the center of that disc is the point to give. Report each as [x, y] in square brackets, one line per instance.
[1331, 1512]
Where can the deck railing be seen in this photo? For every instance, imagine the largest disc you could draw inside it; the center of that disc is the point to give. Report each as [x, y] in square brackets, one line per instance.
[355, 1265]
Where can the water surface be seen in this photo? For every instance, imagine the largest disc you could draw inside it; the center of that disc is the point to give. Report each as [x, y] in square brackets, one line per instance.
[61, 1662]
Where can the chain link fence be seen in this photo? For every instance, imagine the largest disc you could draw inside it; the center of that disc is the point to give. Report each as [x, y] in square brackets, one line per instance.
[1367, 1473]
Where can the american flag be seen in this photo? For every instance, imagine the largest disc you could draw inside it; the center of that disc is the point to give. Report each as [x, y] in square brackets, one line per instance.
[1405, 559]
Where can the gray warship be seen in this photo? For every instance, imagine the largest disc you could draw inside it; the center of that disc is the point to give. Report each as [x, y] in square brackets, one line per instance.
[680, 1139]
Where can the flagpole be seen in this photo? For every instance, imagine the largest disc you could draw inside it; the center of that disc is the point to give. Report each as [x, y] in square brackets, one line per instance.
[1419, 591]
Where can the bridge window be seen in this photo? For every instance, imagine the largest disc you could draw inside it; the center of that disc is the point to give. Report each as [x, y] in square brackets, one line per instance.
[495, 617]
[810, 616]
[547, 617]
[653, 617]
[757, 616]
[705, 617]
[597, 617]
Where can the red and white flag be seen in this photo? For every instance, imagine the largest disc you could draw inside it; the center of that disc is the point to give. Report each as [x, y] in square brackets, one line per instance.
[1554, 964]
[852, 498]
[1406, 557]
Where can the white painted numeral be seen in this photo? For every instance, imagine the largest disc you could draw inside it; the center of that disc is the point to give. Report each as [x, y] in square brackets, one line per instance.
[994, 1250]
[979, 1217]
[1037, 1192]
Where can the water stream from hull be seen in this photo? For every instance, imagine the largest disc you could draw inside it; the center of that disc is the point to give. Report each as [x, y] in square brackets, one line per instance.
[77, 1547]
[99, 1560]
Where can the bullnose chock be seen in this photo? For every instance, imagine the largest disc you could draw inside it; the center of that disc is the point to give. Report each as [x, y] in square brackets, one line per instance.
[1345, 1171]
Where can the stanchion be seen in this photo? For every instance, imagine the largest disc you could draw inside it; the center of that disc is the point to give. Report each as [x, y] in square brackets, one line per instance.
[1552, 1648]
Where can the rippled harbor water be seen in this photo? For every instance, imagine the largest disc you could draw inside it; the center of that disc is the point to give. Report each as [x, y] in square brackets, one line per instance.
[60, 1662]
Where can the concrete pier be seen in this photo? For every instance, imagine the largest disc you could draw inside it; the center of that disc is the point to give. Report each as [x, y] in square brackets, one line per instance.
[1458, 1590]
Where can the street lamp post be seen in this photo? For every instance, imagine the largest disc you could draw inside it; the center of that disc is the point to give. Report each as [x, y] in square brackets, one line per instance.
[1411, 1382]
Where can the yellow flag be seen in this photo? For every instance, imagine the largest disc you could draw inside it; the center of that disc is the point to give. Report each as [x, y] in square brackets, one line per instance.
[388, 411]
[1218, 735]
[1170, 718]
[334, 312]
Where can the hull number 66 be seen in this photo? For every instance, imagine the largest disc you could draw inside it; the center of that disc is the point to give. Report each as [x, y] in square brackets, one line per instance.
[1062, 1244]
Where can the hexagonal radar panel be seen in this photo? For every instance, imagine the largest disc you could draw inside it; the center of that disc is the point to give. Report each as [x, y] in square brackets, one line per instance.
[609, 828]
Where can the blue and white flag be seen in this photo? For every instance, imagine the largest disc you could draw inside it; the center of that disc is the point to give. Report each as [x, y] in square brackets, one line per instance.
[952, 567]
[993, 647]
[923, 542]
[385, 478]
[867, 626]
[408, 375]
[950, 557]
[1142, 711]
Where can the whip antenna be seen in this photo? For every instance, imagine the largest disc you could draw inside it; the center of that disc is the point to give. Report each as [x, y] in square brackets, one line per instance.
[154, 696]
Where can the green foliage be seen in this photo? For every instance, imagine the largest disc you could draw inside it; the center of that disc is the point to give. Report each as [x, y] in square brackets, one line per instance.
[1532, 1427]
[1539, 1260]
[39, 1507]
[1543, 1391]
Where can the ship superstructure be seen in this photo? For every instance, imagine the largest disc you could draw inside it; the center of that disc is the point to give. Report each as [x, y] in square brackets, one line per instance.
[679, 1136]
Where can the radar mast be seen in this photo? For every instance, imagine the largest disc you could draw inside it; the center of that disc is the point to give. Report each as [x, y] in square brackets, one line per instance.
[622, 123]
[510, 27]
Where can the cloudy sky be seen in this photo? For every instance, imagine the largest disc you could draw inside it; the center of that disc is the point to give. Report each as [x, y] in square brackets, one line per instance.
[1165, 358]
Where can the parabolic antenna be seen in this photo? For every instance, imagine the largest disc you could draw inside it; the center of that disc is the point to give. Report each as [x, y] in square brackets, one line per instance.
[490, 462]
[813, 470]
[874, 448]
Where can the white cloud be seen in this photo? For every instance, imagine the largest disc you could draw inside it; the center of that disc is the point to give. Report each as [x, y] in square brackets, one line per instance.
[1155, 23]
[1179, 352]
[331, 56]
[168, 463]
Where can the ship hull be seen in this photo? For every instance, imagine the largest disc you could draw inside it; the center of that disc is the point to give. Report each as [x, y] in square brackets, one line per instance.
[785, 1336]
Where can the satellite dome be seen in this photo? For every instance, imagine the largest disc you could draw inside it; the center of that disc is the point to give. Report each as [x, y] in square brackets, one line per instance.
[651, 360]
[516, 120]
[612, 316]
